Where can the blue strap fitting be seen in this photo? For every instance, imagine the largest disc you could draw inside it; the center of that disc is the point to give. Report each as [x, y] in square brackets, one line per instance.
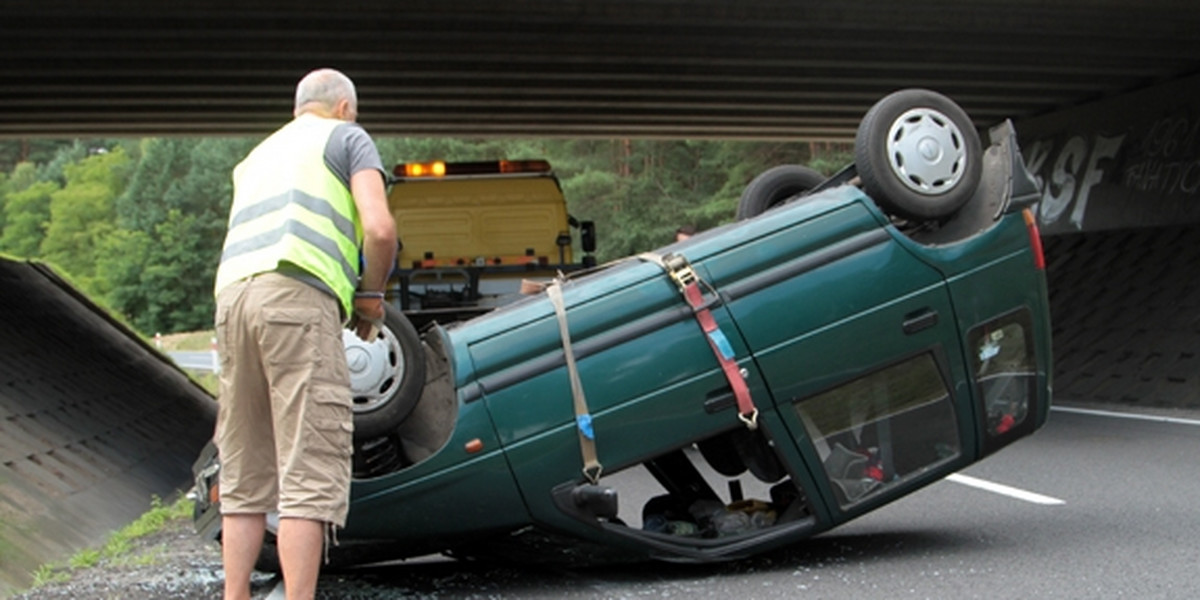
[584, 423]
[722, 342]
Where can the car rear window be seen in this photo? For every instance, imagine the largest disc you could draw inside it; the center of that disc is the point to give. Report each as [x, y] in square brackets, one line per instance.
[1005, 370]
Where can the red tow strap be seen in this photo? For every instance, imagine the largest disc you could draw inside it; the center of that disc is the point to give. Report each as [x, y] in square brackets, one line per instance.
[689, 285]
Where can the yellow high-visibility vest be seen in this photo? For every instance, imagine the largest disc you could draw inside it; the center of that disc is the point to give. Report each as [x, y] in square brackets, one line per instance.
[290, 210]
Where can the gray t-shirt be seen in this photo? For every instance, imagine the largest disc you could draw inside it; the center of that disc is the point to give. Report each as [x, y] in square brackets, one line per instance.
[350, 150]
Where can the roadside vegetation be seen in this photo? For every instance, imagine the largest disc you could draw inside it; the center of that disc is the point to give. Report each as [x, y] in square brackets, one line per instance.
[118, 550]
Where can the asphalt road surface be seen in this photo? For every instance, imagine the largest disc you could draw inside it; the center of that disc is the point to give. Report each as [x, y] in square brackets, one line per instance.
[1095, 505]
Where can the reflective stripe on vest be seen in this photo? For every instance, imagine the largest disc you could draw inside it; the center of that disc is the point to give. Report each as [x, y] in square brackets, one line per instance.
[288, 207]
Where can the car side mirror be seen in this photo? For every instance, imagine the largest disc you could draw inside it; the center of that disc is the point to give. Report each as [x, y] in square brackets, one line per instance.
[587, 236]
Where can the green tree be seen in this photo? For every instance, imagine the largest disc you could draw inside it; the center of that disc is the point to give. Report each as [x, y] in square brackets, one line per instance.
[16, 151]
[53, 169]
[122, 258]
[82, 214]
[26, 213]
[164, 162]
[174, 212]
[131, 251]
[639, 191]
[190, 240]
[22, 176]
[178, 278]
[207, 189]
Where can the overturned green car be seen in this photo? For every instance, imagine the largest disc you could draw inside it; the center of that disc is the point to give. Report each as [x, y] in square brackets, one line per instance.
[845, 342]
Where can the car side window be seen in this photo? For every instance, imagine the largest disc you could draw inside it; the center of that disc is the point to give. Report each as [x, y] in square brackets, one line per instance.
[1002, 360]
[876, 430]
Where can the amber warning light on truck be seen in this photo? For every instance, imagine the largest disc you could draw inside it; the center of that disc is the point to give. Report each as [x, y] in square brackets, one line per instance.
[430, 169]
[488, 167]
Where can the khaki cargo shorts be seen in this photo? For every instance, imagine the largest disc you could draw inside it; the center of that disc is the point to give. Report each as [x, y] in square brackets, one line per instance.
[284, 418]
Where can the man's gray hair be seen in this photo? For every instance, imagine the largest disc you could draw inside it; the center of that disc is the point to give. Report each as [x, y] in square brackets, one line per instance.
[325, 87]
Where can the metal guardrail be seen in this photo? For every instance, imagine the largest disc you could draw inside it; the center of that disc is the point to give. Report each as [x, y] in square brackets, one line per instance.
[195, 360]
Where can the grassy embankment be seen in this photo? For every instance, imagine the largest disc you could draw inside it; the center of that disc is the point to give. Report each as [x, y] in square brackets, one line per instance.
[119, 549]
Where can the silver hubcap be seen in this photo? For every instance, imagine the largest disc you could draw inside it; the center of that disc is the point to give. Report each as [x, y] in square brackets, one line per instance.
[376, 368]
[926, 151]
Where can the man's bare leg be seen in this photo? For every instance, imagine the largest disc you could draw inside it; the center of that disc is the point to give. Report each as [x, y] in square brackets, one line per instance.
[300, 545]
[241, 541]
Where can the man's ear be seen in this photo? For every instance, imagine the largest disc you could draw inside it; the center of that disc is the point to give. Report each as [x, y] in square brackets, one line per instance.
[343, 111]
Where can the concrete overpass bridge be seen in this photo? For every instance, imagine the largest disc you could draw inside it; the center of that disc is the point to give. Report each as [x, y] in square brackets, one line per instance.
[1105, 96]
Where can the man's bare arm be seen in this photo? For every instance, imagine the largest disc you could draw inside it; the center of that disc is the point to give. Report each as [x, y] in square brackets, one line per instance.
[379, 249]
[379, 229]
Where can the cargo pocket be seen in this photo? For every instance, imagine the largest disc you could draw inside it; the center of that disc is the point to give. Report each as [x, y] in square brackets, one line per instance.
[330, 444]
[317, 484]
[331, 419]
[291, 335]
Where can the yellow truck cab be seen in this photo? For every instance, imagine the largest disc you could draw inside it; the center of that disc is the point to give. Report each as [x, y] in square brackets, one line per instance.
[472, 231]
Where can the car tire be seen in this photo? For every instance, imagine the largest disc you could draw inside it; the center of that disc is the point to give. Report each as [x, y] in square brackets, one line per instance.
[774, 186]
[918, 155]
[387, 375]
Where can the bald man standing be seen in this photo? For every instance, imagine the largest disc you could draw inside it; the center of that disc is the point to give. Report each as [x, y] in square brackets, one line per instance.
[307, 203]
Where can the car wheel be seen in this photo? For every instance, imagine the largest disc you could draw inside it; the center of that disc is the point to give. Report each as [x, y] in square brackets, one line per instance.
[387, 375]
[918, 155]
[775, 185]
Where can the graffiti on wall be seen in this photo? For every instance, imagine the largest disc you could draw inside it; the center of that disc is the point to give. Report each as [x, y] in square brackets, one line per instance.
[1168, 159]
[1079, 165]
[1121, 163]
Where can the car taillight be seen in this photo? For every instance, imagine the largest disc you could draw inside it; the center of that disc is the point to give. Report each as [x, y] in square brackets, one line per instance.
[1035, 239]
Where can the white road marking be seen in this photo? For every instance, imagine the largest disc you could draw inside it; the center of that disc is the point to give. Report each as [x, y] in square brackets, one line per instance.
[1036, 498]
[1004, 490]
[1124, 415]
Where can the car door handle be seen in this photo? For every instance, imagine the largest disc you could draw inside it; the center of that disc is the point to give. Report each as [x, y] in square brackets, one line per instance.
[719, 400]
[919, 320]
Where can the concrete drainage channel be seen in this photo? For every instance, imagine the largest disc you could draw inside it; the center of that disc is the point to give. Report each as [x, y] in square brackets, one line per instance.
[93, 421]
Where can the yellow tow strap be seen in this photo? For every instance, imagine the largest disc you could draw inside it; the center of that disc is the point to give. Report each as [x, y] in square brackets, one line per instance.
[583, 420]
